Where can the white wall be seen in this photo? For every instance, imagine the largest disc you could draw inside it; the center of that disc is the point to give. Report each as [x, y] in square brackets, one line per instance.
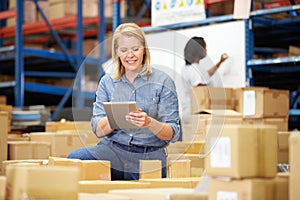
[167, 50]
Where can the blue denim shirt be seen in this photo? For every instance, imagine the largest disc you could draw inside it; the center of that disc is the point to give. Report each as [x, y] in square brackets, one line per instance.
[156, 95]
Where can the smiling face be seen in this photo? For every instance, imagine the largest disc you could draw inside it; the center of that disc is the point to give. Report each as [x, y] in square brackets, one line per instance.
[131, 52]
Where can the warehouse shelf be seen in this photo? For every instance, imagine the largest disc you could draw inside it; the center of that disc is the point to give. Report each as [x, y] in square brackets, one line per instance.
[29, 62]
[257, 62]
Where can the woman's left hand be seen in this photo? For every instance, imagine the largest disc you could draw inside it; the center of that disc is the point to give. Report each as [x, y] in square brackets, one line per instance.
[139, 118]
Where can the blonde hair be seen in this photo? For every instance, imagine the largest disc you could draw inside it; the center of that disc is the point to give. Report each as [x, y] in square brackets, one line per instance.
[130, 30]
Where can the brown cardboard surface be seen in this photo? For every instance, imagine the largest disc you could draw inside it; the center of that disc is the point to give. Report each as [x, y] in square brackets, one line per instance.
[191, 182]
[261, 102]
[61, 143]
[74, 127]
[2, 99]
[152, 193]
[194, 196]
[22, 162]
[282, 186]
[280, 123]
[203, 123]
[20, 150]
[88, 196]
[150, 169]
[8, 109]
[179, 169]
[250, 189]
[89, 169]
[294, 181]
[42, 182]
[101, 186]
[243, 151]
[2, 187]
[203, 97]
[3, 137]
[94, 170]
[184, 147]
[197, 162]
[283, 140]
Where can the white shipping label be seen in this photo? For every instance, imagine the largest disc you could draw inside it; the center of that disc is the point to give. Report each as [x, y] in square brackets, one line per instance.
[249, 103]
[222, 195]
[221, 152]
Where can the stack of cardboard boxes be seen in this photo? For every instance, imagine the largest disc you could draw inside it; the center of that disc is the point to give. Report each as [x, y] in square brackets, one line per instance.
[243, 162]
[215, 107]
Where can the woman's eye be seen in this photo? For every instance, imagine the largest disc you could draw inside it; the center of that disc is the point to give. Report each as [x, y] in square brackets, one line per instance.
[136, 49]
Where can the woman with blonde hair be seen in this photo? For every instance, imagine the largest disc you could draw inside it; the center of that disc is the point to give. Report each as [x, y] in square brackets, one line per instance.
[156, 121]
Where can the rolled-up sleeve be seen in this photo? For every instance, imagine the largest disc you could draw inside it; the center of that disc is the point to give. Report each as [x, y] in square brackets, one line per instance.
[101, 96]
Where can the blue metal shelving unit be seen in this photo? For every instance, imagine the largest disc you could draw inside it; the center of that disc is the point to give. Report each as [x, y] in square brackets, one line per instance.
[17, 55]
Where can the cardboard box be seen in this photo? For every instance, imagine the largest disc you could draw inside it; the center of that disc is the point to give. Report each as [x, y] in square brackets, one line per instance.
[94, 170]
[191, 182]
[261, 102]
[3, 99]
[42, 182]
[179, 169]
[294, 51]
[19, 150]
[250, 189]
[21, 162]
[294, 181]
[61, 143]
[283, 147]
[88, 196]
[184, 147]
[150, 169]
[193, 196]
[101, 186]
[197, 162]
[203, 97]
[242, 151]
[8, 109]
[282, 186]
[152, 193]
[63, 8]
[13, 137]
[75, 126]
[281, 123]
[89, 169]
[3, 137]
[208, 120]
[2, 187]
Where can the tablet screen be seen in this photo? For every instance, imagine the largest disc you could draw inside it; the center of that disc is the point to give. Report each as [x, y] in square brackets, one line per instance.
[116, 112]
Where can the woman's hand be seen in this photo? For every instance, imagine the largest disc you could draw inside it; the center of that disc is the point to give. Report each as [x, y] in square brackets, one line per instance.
[139, 118]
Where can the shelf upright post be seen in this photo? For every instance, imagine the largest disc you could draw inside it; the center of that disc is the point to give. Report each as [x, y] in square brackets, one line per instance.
[128, 3]
[249, 41]
[19, 56]
[146, 6]
[116, 14]
[3, 7]
[80, 69]
[101, 37]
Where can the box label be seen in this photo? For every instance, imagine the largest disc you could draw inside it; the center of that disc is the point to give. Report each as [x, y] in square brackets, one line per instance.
[222, 195]
[249, 102]
[221, 152]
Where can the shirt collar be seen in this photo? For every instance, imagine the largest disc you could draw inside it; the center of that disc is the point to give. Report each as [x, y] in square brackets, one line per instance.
[124, 79]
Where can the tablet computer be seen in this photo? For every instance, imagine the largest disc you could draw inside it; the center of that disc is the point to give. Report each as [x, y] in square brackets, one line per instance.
[116, 112]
